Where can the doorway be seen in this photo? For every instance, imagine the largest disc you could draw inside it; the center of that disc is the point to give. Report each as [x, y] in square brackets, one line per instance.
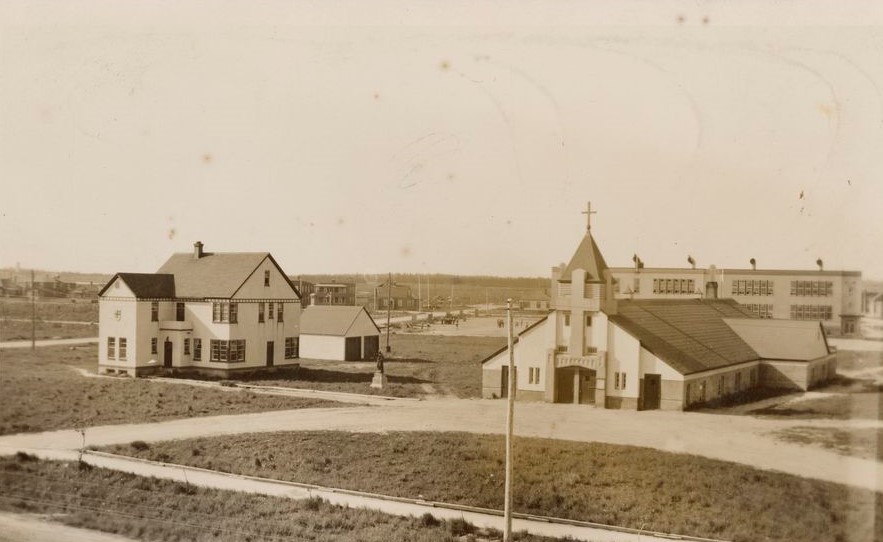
[270, 353]
[575, 385]
[167, 354]
[352, 349]
[504, 381]
[652, 391]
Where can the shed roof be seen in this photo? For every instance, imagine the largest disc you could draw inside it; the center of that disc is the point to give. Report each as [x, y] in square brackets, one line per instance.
[331, 319]
[146, 285]
[690, 335]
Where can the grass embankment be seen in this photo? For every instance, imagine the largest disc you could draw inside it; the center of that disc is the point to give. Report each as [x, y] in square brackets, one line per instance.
[864, 443]
[615, 485]
[153, 509]
[42, 390]
[420, 365]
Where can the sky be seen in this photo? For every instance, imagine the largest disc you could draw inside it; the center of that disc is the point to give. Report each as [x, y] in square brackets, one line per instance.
[449, 137]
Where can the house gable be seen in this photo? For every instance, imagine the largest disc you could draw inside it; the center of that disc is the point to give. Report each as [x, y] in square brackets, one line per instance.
[116, 287]
[252, 286]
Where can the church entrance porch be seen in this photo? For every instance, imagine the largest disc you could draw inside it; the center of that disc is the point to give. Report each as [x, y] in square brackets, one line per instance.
[575, 385]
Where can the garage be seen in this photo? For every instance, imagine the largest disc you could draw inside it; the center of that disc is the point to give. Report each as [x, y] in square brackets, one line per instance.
[338, 332]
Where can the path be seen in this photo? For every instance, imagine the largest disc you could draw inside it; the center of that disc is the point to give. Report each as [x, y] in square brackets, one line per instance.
[48, 342]
[38, 528]
[741, 439]
[41, 321]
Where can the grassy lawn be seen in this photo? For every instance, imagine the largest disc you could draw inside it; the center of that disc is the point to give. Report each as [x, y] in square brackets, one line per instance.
[152, 509]
[848, 399]
[14, 330]
[83, 310]
[865, 443]
[42, 390]
[616, 485]
[420, 365]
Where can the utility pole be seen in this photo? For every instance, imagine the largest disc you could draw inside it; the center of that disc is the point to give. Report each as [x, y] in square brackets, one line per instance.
[33, 313]
[510, 414]
[388, 298]
[419, 304]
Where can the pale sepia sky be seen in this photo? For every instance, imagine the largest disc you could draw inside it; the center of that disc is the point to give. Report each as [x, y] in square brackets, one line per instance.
[460, 137]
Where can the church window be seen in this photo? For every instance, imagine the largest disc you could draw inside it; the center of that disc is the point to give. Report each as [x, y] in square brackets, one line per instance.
[623, 381]
[616, 380]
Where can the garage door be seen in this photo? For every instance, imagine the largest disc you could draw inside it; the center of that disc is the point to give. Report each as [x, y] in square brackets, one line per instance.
[353, 351]
[372, 346]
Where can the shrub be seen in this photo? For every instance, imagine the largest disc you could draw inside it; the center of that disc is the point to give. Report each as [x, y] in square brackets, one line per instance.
[24, 457]
[428, 520]
[139, 445]
[460, 527]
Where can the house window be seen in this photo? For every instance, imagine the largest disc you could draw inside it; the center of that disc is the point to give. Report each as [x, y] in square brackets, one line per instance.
[228, 351]
[267, 277]
[197, 349]
[186, 347]
[111, 348]
[122, 348]
[179, 312]
[224, 312]
[260, 312]
[292, 347]
[616, 380]
[154, 311]
[270, 310]
[153, 345]
[279, 314]
[234, 313]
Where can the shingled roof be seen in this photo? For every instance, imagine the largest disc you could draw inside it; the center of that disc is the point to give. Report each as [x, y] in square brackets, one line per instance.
[587, 257]
[690, 335]
[212, 275]
[146, 285]
[330, 319]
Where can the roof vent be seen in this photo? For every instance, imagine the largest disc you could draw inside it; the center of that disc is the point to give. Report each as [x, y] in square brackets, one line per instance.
[691, 261]
[821, 264]
[753, 263]
[197, 250]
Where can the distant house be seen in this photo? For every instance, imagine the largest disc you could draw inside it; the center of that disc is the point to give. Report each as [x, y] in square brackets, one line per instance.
[208, 312]
[344, 333]
[538, 303]
[644, 354]
[333, 293]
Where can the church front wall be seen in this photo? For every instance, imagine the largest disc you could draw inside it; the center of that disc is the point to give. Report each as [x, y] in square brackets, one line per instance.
[623, 359]
[491, 380]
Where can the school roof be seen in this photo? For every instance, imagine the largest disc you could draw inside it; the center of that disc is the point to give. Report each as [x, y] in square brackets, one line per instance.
[690, 335]
[331, 319]
[146, 285]
[213, 274]
[587, 257]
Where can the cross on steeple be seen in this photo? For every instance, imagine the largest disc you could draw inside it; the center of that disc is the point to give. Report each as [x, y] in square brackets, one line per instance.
[588, 212]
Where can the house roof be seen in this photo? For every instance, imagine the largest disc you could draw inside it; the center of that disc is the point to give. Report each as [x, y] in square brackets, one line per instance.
[587, 257]
[690, 335]
[146, 285]
[330, 319]
[213, 274]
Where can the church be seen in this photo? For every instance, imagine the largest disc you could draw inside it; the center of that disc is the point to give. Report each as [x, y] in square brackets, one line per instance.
[643, 354]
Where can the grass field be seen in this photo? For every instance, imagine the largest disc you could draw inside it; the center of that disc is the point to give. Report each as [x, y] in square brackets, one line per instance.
[42, 390]
[11, 330]
[152, 509]
[421, 365]
[81, 310]
[617, 485]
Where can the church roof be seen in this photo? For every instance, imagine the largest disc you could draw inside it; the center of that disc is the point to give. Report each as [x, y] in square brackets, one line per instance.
[587, 257]
[690, 335]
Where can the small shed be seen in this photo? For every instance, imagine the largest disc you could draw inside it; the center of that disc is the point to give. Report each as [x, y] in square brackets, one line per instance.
[338, 332]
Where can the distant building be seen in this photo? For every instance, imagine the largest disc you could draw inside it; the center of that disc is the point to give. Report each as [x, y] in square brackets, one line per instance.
[595, 348]
[333, 293]
[831, 297]
[397, 297]
[538, 303]
[344, 333]
[208, 312]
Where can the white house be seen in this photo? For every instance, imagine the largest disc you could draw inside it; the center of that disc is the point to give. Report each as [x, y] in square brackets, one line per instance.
[213, 313]
[338, 332]
[593, 348]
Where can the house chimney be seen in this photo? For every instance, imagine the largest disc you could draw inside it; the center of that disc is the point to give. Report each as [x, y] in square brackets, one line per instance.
[197, 250]
[753, 263]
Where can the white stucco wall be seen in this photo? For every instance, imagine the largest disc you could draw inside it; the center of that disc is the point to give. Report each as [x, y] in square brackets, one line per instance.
[322, 347]
[623, 356]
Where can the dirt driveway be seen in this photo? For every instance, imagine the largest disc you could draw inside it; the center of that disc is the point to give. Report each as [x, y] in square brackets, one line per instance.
[740, 439]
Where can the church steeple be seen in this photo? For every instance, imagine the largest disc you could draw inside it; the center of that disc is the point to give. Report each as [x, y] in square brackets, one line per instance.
[587, 256]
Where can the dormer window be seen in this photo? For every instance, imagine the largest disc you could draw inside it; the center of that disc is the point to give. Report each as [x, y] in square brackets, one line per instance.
[267, 277]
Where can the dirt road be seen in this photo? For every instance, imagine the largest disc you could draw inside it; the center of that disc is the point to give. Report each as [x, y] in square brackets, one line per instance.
[740, 439]
[35, 528]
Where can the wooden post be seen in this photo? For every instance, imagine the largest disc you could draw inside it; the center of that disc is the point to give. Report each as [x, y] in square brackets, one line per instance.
[33, 313]
[388, 297]
[510, 414]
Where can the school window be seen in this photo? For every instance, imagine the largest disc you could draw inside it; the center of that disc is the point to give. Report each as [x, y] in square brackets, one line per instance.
[179, 312]
[186, 347]
[153, 345]
[536, 375]
[154, 311]
[111, 348]
[292, 347]
[261, 312]
[197, 349]
[566, 318]
[267, 278]
[270, 310]
[122, 348]
[623, 380]
[279, 313]
[588, 320]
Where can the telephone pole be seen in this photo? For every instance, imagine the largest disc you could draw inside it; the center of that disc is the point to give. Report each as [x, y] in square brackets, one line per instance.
[510, 413]
[388, 299]
[33, 313]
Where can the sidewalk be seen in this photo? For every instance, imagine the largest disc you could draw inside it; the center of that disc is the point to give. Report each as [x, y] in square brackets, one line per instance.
[400, 506]
[48, 342]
